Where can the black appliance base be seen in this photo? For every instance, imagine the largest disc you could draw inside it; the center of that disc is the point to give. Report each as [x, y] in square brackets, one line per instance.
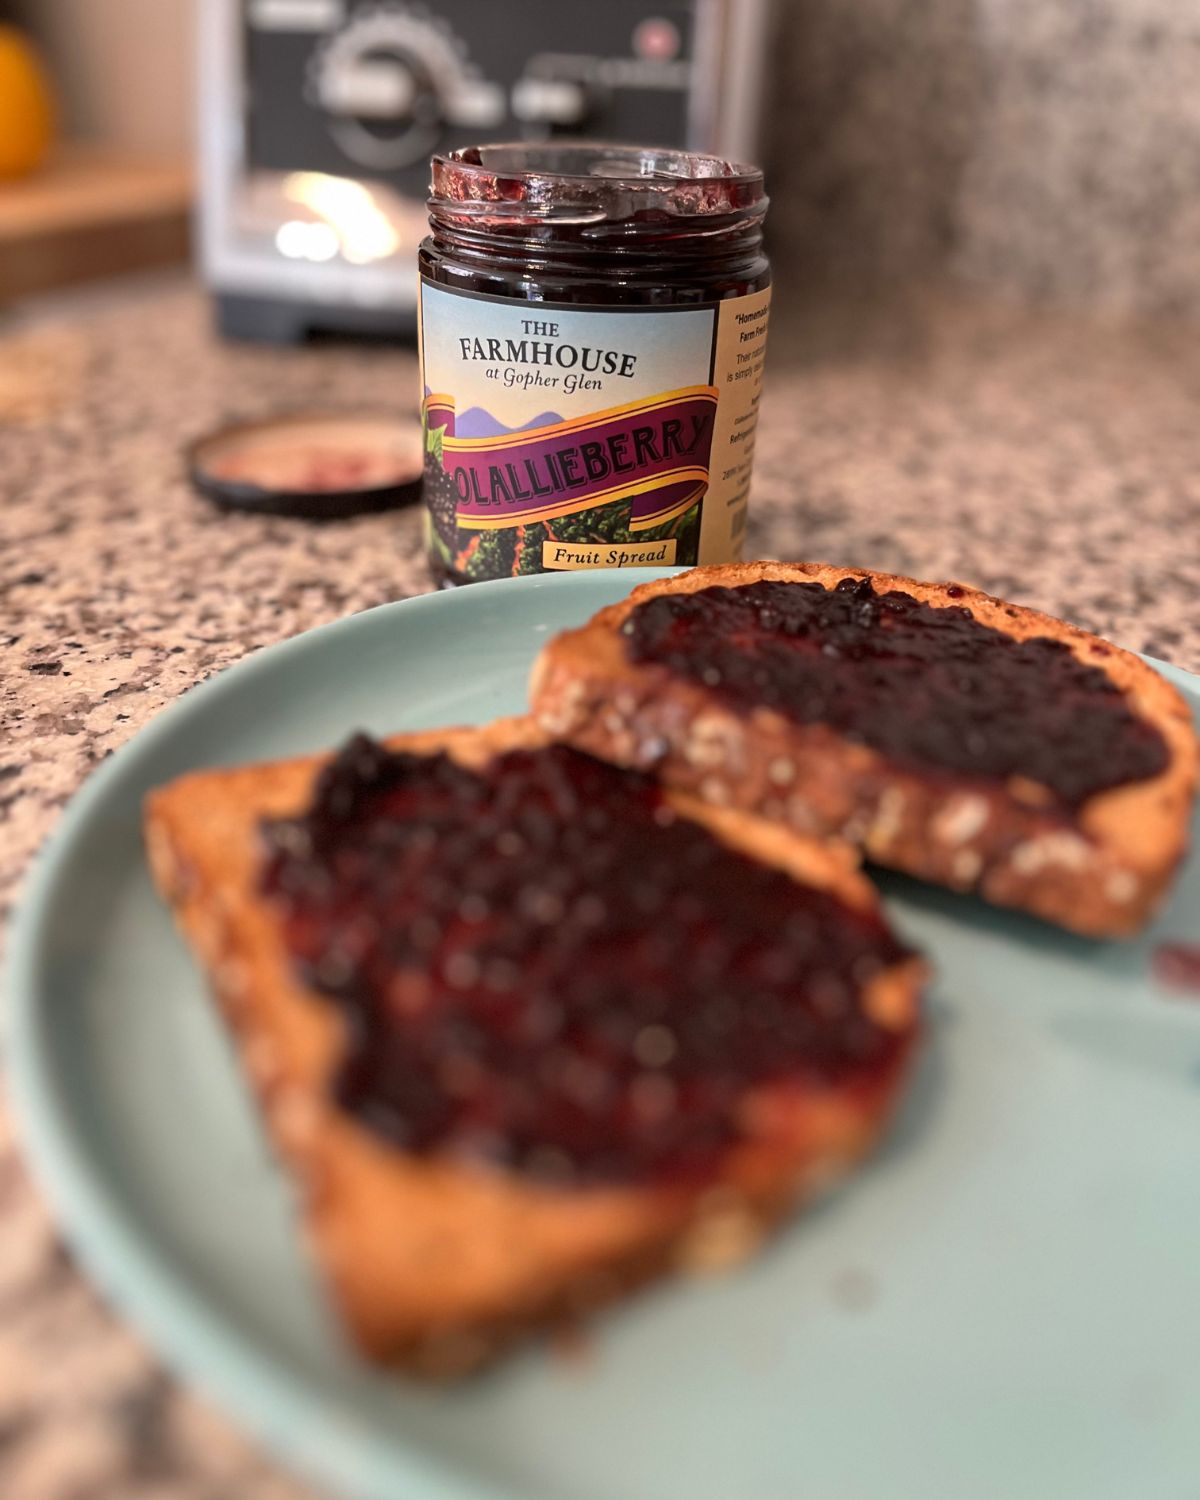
[276, 320]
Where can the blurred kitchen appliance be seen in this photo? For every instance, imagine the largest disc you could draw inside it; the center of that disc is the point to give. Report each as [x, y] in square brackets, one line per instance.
[318, 119]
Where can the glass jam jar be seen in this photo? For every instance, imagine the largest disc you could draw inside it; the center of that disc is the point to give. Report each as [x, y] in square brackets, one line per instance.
[593, 331]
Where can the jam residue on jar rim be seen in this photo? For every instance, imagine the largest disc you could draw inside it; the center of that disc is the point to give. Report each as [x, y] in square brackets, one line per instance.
[587, 183]
[932, 688]
[541, 965]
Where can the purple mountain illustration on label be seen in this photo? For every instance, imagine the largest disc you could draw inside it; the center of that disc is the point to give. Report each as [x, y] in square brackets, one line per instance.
[478, 423]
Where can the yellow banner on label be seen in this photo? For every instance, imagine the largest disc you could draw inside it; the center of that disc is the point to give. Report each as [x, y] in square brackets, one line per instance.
[571, 556]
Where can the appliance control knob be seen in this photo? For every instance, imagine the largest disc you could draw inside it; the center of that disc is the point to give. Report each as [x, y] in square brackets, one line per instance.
[392, 80]
[380, 87]
[550, 101]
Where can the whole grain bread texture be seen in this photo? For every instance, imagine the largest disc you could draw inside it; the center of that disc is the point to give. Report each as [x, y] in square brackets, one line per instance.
[437, 1265]
[1104, 873]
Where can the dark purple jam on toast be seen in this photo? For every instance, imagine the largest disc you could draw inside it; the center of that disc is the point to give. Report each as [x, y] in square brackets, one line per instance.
[540, 963]
[931, 688]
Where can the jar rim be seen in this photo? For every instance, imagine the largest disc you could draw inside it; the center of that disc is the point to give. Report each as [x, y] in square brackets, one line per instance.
[550, 176]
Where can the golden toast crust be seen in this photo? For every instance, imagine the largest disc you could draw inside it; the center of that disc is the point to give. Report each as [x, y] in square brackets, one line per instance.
[1106, 879]
[438, 1265]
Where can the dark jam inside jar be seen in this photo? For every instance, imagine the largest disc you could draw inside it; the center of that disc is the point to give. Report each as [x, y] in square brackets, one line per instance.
[595, 224]
[598, 228]
[540, 965]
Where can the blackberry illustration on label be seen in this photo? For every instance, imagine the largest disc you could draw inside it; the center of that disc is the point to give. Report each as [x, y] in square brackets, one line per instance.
[593, 324]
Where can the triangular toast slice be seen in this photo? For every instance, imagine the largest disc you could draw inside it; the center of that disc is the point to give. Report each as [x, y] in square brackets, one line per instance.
[948, 734]
[437, 1259]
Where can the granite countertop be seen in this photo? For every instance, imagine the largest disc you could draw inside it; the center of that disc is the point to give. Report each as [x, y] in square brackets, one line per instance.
[1050, 459]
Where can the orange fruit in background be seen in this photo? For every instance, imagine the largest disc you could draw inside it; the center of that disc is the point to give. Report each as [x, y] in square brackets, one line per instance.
[26, 105]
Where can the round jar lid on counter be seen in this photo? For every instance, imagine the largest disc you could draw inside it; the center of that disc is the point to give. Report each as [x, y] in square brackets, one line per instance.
[319, 465]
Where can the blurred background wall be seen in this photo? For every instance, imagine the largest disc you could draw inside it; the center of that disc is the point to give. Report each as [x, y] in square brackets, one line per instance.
[123, 69]
[1048, 149]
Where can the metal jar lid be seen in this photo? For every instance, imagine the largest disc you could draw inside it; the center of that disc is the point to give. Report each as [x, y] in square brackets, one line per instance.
[319, 465]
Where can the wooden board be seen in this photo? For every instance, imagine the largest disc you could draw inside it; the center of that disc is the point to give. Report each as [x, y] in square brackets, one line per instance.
[91, 212]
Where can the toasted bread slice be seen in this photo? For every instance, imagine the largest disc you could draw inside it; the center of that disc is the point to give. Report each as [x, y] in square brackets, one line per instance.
[1103, 870]
[435, 1263]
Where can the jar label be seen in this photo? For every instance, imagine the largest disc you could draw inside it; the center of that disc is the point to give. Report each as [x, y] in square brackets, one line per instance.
[560, 436]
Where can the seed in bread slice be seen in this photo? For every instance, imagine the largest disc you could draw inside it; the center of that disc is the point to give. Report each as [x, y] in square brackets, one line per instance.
[964, 740]
[512, 1094]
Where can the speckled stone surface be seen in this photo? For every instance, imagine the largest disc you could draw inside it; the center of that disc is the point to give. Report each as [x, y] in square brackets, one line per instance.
[1052, 460]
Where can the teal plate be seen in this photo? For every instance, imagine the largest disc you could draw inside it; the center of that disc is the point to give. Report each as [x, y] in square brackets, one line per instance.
[1005, 1303]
